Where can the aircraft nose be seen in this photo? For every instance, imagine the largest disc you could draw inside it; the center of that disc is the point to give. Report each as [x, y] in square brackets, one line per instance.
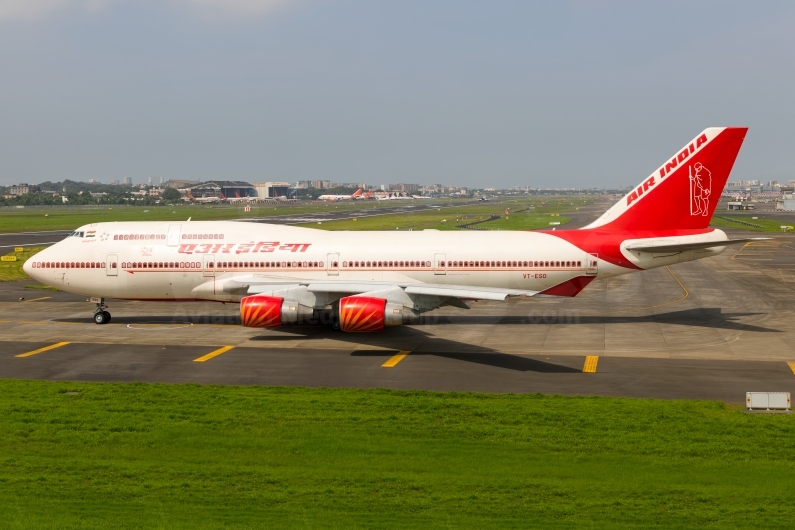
[28, 267]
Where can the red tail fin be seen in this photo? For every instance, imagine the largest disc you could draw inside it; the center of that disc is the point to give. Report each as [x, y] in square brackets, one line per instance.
[683, 192]
[358, 192]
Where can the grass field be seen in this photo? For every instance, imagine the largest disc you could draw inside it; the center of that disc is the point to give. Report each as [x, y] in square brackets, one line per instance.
[94, 455]
[744, 222]
[450, 217]
[12, 270]
[34, 220]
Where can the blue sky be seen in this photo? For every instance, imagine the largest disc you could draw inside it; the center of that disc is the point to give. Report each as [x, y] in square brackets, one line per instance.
[543, 94]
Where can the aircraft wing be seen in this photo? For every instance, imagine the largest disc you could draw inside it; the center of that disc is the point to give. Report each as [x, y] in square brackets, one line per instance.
[682, 247]
[256, 285]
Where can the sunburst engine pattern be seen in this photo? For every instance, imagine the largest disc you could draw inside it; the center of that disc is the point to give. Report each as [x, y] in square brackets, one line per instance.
[362, 313]
[261, 311]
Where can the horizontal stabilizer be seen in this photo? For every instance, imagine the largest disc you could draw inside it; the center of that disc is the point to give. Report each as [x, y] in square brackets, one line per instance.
[683, 247]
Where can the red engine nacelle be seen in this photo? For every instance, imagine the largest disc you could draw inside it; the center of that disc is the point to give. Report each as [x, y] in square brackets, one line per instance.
[362, 313]
[261, 311]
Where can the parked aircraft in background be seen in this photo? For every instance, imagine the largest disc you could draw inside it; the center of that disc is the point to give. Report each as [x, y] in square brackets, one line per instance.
[340, 197]
[396, 197]
[201, 200]
[365, 281]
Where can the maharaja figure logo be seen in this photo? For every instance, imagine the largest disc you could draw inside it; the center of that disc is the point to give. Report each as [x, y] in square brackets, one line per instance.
[700, 188]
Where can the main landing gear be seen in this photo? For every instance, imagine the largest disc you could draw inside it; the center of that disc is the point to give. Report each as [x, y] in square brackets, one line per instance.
[101, 316]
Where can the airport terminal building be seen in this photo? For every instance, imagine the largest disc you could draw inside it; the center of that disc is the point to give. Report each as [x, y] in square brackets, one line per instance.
[221, 189]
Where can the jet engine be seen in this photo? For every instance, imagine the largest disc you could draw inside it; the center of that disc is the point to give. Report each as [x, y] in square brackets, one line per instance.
[260, 311]
[363, 313]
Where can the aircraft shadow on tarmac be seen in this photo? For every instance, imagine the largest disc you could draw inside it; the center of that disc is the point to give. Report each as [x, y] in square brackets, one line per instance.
[703, 317]
[398, 338]
[700, 317]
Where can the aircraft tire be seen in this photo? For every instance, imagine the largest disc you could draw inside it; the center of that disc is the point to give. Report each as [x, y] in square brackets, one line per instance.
[101, 317]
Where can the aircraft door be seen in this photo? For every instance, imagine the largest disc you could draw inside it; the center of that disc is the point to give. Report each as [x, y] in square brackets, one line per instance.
[209, 265]
[112, 265]
[173, 235]
[440, 264]
[333, 264]
[592, 264]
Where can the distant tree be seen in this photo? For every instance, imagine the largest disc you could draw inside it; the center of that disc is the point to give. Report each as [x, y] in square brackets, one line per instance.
[170, 194]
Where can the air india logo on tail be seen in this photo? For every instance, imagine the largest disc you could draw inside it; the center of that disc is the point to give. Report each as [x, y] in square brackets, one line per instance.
[700, 189]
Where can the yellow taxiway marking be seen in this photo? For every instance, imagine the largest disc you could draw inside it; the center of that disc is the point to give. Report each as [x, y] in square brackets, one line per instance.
[685, 295]
[212, 354]
[395, 359]
[37, 299]
[40, 350]
[590, 364]
[792, 366]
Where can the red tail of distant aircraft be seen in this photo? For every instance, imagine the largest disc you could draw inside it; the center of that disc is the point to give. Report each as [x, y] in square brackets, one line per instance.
[365, 281]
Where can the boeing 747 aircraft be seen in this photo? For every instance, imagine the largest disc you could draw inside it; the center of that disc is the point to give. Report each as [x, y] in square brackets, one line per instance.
[351, 197]
[366, 281]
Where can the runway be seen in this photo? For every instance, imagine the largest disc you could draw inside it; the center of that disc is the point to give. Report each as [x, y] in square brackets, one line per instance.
[31, 239]
[712, 329]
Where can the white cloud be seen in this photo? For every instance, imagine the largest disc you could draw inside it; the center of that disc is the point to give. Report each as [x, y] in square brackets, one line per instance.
[33, 9]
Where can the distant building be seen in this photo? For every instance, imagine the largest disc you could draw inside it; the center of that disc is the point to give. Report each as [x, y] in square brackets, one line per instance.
[126, 181]
[272, 190]
[155, 192]
[92, 181]
[97, 194]
[155, 181]
[223, 189]
[405, 188]
[22, 189]
[179, 184]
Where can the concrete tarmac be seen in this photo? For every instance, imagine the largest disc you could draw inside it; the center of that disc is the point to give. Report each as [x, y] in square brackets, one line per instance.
[712, 329]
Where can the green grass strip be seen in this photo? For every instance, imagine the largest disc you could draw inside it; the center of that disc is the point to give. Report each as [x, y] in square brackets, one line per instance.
[12, 270]
[93, 455]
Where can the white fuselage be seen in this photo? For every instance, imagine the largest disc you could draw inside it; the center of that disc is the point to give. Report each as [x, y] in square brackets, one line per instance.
[197, 260]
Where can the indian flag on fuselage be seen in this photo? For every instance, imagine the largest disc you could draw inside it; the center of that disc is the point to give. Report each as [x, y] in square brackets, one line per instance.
[91, 233]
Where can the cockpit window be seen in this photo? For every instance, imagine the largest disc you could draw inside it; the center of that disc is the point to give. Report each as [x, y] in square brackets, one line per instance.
[77, 233]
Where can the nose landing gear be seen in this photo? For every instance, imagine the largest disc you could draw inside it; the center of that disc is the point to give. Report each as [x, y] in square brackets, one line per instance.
[101, 316]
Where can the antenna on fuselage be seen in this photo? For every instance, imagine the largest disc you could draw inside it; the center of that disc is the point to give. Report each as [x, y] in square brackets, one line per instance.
[189, 218]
